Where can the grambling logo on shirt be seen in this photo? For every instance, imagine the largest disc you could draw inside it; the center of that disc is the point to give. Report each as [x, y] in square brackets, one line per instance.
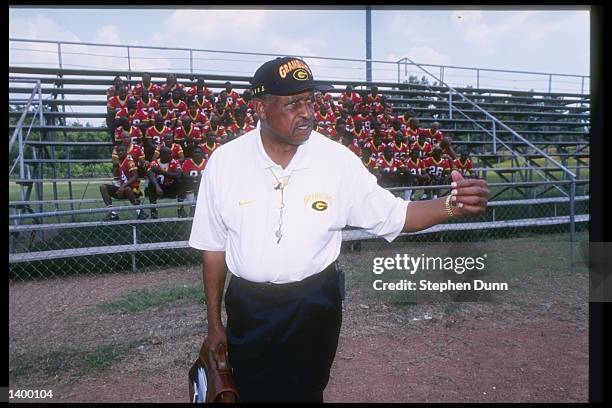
[318, 201]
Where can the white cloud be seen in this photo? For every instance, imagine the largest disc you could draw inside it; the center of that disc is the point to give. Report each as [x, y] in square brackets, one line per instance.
[108, 34]
[207, 27]
[75, 56]
[471, 24]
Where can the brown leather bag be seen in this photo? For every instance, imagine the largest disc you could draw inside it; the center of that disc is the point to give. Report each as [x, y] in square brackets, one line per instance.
[220, 382]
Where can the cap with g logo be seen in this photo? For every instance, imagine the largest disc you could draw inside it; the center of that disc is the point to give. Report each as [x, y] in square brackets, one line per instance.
[285, 76]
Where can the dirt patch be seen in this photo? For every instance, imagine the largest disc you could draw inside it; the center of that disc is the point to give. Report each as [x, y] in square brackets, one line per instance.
[525, 350]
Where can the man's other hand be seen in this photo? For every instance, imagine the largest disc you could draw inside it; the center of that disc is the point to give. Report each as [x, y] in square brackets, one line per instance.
[470, 196]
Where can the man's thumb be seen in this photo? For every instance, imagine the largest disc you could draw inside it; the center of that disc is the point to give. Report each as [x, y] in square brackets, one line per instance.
[456, 176]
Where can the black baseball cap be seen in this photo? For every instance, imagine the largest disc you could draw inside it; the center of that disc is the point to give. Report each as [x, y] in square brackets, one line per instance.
[285, 76]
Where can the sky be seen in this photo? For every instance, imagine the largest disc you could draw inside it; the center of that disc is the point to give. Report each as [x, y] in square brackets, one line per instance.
[539, 40]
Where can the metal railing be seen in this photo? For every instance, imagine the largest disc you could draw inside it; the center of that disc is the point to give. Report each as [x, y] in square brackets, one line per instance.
[189, 56]
[495, 121]
[477, 77]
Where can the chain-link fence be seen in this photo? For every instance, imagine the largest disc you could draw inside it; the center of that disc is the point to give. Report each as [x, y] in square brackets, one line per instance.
[84, 292]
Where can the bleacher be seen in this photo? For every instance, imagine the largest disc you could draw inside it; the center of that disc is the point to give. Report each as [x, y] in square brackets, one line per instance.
[557, 124]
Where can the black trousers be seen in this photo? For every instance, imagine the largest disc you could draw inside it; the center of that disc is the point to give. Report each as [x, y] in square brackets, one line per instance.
[282, 338]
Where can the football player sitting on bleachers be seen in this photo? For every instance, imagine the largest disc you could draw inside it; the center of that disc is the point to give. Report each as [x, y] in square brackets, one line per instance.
[416, 174]
[126, 185]
[438, 169]
[464, 165]
[165, 176]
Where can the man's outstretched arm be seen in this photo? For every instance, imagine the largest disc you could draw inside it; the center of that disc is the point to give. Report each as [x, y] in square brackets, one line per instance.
[470, 198]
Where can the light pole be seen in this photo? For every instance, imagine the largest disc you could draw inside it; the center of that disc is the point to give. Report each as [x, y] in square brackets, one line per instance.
[368, 44]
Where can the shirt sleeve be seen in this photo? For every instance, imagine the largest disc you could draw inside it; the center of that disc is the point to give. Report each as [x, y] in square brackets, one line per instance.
[373, 208]
[208, 231]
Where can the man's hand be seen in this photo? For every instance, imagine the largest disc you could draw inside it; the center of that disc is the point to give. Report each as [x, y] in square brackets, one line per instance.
[216, 335]
[469, 196]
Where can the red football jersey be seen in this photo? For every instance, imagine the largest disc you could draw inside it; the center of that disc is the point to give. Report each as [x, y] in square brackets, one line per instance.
[157, 136]
[199, 119]
[353, 96]
[169, 118]
[404, 123]
[400, 151]
[193, 91]
[391, 166]
[416, 168]
[110, 92]
[371, 164]
[209, 149]
[154, 90]
[137, 118]
[135, 134]
[176, 107]
[204, 105]
[391, 133]
[437, 168]
[240, 130]
[125, 169]
[239, 103]
[220, 132]
[176, 150]
[413, 134]
[180, 134]
[373, 100]
[362, 135]
[167, 90]
[151, 106]
[354, 147]
[385, 120]
[463, 167]
[134, 151]
[232, 96]
[425, 149]
[433, 138]
[328, 119]
[117, 103]
[365, 119]
[376, 150]
[193, 170]
[170, 166]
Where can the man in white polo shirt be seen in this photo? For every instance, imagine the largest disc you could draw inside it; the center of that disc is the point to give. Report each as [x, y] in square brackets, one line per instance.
[271, 208]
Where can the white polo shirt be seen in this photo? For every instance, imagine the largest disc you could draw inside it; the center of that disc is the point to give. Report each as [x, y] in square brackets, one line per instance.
[328, 188]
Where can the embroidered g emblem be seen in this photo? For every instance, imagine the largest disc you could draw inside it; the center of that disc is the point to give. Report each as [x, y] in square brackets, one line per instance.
[300, 74]
[319, 206]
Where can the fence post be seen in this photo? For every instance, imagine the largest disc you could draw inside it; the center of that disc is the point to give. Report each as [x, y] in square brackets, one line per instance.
[573, 210]
[450, 104]
[191, 64]
[398, 71]
[59, 54]
[549, 82]
[135, 241]
[582, 87]
[20, 141]
[494, 138]
[129, 64]
[477, 79]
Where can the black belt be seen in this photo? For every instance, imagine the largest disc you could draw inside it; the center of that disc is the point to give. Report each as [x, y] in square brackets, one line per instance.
[328, 272]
